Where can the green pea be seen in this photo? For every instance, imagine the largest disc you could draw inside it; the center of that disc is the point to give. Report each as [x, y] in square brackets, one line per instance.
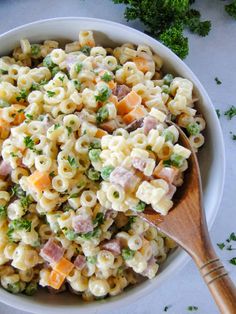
[140, 207]
[47, 62]
[169, 136]
[31, 288]
[93, 174]
[4, 103]
[94, 154]
[14, 287]
[106, 171]
[168, 78]
[176, 160]
[193, 128]
[127, 254]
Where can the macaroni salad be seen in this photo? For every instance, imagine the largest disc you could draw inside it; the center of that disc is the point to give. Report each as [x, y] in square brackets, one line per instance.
[84, 147]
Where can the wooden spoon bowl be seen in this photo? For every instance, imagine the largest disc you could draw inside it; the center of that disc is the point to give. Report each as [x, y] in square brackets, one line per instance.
[186, 225]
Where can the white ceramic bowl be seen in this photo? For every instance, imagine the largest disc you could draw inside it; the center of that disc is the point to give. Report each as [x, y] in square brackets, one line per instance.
[211, 157]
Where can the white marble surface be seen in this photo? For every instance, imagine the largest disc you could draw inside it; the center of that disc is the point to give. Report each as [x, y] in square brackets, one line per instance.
[210, 57]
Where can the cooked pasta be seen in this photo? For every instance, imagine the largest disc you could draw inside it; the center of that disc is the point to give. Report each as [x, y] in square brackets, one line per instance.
[73, 176]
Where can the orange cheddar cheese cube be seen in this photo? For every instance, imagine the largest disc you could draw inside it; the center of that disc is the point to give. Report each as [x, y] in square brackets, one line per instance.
[100, 133]
[64, 267]
[136, 114]
[4, 129]
[39, 180]
[19, 114]
[128, 103]
[141, 63]
[56, 279]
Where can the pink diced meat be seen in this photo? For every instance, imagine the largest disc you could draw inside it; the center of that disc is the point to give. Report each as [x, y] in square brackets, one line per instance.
[80, 261]
[111, 214]
[5, 168]
[114, 246]
[171, 191]
[124, 178]
[139, 163]
[70, 60]
[82, 224]
[169, 174]
[150, 264]
[52, 252]
[109, 126]
[149, 123]
[121, 91]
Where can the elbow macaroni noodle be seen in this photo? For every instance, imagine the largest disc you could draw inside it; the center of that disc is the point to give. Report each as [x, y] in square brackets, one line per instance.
[71, 172]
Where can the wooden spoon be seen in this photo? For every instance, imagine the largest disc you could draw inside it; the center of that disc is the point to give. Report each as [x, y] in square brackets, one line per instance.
[186, 225]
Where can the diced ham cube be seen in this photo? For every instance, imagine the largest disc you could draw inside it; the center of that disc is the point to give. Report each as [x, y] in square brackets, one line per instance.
[134, 125]
[124, 178]
[48, 121]
[147, 272]
[114, 246]
[82, 224]
[80, 262]
[121, 91]
[52, 252]
[168, 173]
[110, 213]
[139, 163]
[109, 126]
[70, 60]
[149, 123]
[5, 168]
[171, 192]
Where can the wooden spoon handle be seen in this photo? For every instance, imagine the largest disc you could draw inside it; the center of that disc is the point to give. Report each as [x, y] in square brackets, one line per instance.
[219, 283]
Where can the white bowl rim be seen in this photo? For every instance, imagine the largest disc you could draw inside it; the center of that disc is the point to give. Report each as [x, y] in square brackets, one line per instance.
[182, 259]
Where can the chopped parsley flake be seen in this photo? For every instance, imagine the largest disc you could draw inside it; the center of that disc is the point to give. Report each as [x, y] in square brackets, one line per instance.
[29, 143]
[221, 245]
[86, 50]
[218, 82]
[56, 126]
[3, 211]
[61, 78]
[78, 67]
[103, 94]
[22, 95]
[233, 261]
[69, 130]
[218, 113]
[232, 237]
[29, 116]
[20, 224]
[231, 112]
[16, 190]
[75, 195]
[26, 201]
[106, 77]
[99, 219]
[72, 161]
[50, 93]
[192, 308]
